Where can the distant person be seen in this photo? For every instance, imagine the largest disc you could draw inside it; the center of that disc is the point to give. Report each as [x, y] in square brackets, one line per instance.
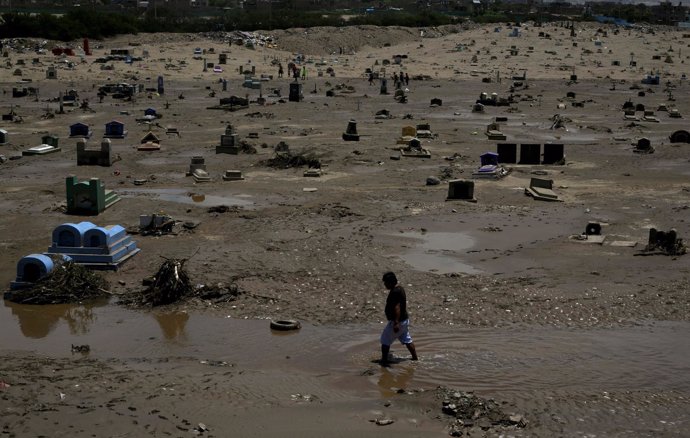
[395, 78]
[407, 79]
[398, 319]
[304, 72]
[371, 78]
[280, 70]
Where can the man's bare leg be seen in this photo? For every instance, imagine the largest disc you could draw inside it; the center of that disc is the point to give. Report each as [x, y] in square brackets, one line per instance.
[385, 349]
[412, 350]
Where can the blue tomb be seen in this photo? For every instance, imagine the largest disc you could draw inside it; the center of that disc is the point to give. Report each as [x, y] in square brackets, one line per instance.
[93, 246]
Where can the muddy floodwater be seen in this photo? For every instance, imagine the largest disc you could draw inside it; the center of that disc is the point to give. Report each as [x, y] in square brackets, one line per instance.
[648, 356]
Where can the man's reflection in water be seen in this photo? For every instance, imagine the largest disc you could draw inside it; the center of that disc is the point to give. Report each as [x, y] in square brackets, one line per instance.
[394, 378]
[172, 324]
[37, 321]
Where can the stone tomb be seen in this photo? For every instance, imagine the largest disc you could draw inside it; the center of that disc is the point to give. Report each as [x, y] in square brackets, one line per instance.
[554, 153]
[115, 129]
[541, 189]
[149, 142]
[680, 136]
[643, 146]
[94, 157]
[80, 130]
[530, 153]
[408, 133]
[233, 175]
[228, 142]
[295, 92]
[461, 189]
[424, 131]
[197, 170]
[32, 268]
[507, 153]
[493, 132]
[92, 246]
[414, 149]
[49, 144]
[51, 73]
[489, 167]
[88, 197]
[350, 133]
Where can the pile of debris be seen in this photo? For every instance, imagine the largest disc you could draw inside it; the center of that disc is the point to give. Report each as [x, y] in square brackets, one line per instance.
[665, 242]
[285, 159]
[171, 284]
[246, 148]
[475, 413]
[67, 283]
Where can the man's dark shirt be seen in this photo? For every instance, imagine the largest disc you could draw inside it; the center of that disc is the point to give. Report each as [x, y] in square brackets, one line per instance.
[395, 296]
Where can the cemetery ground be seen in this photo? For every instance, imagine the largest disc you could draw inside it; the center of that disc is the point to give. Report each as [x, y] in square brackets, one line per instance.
[500, 274]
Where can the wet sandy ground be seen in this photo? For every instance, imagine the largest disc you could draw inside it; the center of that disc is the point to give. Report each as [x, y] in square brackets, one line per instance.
[601, 382]
[582, 339]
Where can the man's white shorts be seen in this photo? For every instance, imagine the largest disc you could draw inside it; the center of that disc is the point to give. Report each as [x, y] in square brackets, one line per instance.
[389, 336]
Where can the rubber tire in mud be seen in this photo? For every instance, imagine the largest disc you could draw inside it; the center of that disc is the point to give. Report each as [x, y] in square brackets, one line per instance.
[285, 324]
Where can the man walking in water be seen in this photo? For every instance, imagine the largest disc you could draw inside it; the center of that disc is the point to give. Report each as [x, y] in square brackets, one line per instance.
[398, 319]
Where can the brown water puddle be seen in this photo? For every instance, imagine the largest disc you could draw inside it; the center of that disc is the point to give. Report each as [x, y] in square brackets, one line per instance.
[654, 356]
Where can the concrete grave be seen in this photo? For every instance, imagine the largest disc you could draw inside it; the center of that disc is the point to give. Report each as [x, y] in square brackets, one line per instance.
[51, 140]
[461, 189]
[507, 153]
[408, 133]
[115, 129]
[92, 246]
[33, 267]
[197, 163]
[436, 102]
[295, 92]
[530, 153]
[489, 167]
[88, 197]
[228, 142]
[541, 189]
[200, 175]
[149, 142]
[51, 73]
[643, 146]
[674, 113]
[665, 241]
[80, 130]
[477, 108]
[94, 157]
[424, 131]
[42, 149]
[493, 132]
[680, 136]
[414, 149]
[233, 175]
[649, 116]
[4, 137]
[312, 173]
[554, 153]
[350, 133]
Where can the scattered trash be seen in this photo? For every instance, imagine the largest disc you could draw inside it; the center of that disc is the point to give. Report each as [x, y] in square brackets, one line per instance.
[80, 349]
[285, 324]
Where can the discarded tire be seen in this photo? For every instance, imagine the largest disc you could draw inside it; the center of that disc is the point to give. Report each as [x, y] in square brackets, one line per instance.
[285, 324]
